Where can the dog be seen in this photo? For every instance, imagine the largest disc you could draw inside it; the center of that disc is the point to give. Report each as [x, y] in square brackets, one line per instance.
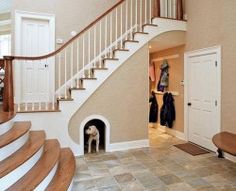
[93, 133]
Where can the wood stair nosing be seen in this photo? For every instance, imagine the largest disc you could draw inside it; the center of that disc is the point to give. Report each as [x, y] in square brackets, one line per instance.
[100, 68]
[88, 78]
[140, 32]
[109, 59]
[65, 99]
[35, 142]
[18, 130]
[148, 24]
[121, 49]
[133, 41]
[41, 169]
[76, 88]
[65, 171]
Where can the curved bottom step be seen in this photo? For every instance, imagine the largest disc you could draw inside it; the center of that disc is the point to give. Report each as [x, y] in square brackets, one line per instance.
[65, 172]
[41, 170]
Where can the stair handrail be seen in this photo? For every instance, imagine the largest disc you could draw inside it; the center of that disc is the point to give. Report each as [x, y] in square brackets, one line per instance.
[68, 42]
[8, 103]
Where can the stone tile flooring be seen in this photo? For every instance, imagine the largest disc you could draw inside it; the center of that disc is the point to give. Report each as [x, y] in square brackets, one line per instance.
[162, 167]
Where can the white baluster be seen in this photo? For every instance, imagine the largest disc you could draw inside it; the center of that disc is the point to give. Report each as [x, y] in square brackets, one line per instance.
[47, 84]
[105, 34]
[65, 60]
[72, 64]
[150, 11]
[145, 11]
[141, 15]
[100, 41]
[89, 51]
[95, 44]
[131, 16]
[59, 74]
[121, 25]
[111, 35]
[116, 28]
[78, 59]
[40, 97]
[126, 18]
[136, 14]
[83, 55]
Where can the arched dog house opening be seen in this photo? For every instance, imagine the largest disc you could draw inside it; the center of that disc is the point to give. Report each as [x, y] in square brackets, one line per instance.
[102, 126]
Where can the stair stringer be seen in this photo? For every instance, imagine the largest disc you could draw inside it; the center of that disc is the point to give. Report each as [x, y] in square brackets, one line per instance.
[55, 124]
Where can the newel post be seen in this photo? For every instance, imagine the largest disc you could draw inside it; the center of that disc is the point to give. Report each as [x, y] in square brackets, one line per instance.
[8, 96]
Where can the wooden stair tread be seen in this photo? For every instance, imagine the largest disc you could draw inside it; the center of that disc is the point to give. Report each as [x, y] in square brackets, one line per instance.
[121, 49]
[65, 99]
[148, 24]
[18, 130]
[140, 32]
[99, 68]
[35, 142]
[225, 141]
[65, 171]
[134, 41]
[75, 88]
[110, 59]
[41, 169]
[88, 78]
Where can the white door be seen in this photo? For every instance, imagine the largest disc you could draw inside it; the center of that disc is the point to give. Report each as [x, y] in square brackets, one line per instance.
[35, 36]
[203, 98]
[35, 42]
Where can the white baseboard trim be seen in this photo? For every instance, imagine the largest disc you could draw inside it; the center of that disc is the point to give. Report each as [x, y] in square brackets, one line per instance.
[172, 132]
[230, 157]
[128, 145]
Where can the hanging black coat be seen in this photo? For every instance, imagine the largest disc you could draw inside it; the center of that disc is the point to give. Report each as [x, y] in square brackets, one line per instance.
[167, 114]
[153, 113]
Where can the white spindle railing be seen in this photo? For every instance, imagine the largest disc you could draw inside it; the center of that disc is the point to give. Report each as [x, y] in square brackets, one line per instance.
[87, 51]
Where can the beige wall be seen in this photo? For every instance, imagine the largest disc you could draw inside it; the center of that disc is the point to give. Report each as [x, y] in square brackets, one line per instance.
[176, 75]
[122, 99]
[213, 23]
[70, 15]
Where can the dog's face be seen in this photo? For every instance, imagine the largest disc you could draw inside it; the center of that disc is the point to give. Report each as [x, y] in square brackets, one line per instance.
[91, 130]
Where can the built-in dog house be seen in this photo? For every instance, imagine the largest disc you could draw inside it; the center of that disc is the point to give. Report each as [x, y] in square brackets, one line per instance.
[100, 125]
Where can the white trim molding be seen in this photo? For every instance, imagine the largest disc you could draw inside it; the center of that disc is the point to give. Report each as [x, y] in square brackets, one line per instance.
[81, 132]
[19, 16]
[173, 132]
[120, 146]
[205, 51]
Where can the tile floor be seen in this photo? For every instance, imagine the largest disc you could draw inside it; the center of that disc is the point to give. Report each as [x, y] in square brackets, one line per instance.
[162, 167]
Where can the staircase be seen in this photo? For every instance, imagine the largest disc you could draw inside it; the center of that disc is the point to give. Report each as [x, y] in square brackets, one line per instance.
[86, 61]
[30, 162]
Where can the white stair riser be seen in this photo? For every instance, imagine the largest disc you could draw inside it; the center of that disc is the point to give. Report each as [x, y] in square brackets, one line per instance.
[43, 185]
[13, 147]
[16, 174]
[6, 126]
[141, 37]
[119, 54]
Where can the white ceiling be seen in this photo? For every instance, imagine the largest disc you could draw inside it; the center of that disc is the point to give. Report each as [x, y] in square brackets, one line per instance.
[167, 40]
[5, 6]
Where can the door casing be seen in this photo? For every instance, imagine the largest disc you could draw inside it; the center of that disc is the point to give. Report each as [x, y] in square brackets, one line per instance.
[211, 50]
[19, 16]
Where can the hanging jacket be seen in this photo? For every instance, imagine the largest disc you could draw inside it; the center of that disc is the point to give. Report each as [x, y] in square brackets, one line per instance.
[164, 77]
[167, 114]
[153, 113]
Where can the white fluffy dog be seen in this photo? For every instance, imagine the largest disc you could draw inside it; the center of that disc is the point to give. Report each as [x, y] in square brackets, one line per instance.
[93, 133]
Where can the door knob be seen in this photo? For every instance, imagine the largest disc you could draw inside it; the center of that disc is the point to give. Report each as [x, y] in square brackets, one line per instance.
[189, 103]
